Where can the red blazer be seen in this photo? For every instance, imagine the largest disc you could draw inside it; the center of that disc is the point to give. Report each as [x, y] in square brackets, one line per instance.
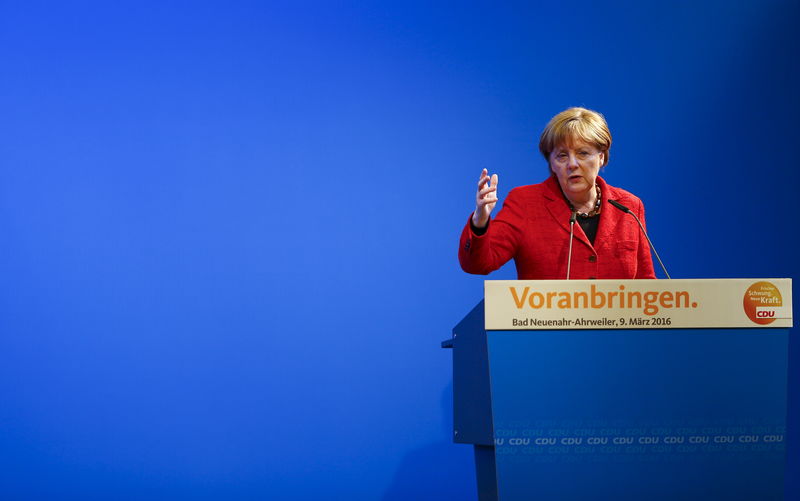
[533, 229]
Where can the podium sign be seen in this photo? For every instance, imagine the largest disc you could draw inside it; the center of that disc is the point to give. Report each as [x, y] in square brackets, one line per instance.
[637, 304]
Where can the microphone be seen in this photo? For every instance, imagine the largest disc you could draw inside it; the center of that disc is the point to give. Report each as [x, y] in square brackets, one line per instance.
[572, 220]
[625, 209]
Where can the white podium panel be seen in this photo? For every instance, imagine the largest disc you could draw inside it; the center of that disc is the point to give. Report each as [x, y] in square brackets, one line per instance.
[638, 304]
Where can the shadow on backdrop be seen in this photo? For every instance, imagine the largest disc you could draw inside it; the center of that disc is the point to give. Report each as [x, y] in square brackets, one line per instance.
[429, 472]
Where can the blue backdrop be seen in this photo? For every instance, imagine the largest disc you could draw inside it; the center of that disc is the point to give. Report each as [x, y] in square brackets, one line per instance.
[229, 229]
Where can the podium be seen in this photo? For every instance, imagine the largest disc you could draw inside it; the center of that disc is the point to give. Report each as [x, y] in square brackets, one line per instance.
[625, 389]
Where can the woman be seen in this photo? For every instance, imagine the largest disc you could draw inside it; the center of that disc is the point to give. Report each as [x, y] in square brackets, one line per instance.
[533, 227]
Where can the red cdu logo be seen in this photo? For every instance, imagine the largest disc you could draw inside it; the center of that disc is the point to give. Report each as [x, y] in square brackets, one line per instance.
[762, 301]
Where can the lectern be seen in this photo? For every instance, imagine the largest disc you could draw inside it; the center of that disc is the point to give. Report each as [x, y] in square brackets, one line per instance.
[625, 389]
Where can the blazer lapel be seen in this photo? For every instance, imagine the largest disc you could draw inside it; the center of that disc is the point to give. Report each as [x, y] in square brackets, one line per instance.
[609, 216]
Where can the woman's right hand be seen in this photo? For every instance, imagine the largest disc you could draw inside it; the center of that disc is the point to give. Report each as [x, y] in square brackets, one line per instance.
[485, 200]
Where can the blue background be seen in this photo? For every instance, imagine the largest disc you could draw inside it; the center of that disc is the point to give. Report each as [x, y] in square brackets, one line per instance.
[229, 229]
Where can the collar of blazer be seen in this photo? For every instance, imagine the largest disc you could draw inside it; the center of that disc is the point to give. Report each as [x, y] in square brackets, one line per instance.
[609, 217]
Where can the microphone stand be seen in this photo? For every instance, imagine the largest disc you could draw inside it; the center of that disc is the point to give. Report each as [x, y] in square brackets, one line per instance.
[572, 220]
[641, 227]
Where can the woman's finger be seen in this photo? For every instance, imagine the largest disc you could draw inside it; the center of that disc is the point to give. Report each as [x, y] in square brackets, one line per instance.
[487, 201]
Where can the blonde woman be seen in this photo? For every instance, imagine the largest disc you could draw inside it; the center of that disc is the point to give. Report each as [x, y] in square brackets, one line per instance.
[533, 227]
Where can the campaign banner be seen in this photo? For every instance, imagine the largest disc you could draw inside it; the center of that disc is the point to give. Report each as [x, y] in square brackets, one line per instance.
[638, 304]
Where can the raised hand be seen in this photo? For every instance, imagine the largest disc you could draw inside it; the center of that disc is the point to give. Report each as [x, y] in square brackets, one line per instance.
[485, 200]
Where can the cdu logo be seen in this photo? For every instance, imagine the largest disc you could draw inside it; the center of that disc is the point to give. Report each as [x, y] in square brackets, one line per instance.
[762, 303]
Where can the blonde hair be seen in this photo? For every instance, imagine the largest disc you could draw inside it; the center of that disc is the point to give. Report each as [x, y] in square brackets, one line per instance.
[576, 123]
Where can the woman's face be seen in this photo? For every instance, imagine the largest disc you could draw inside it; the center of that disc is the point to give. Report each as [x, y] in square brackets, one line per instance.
[576, 166]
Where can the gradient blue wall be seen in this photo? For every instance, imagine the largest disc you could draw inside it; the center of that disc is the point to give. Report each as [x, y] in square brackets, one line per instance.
[229, 230]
